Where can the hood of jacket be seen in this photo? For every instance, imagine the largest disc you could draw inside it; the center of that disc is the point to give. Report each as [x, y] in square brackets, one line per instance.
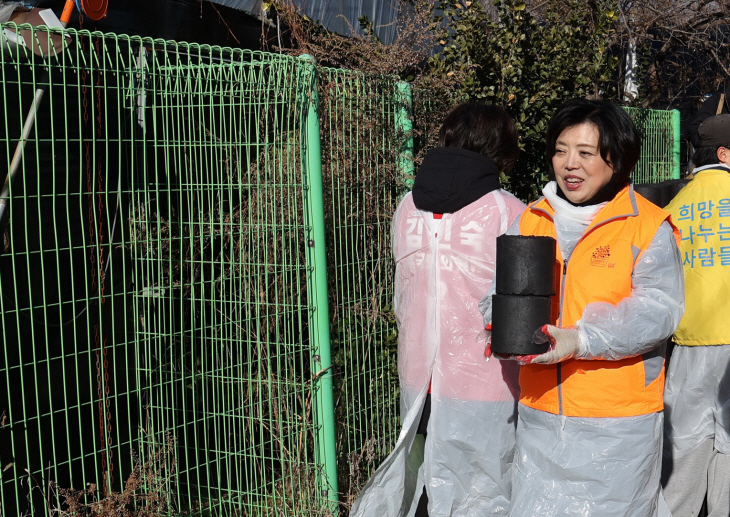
[450, 179]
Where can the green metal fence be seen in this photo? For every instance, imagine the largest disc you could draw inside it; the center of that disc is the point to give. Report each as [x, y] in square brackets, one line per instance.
[168, 243]
[362, 125]
[660, 154]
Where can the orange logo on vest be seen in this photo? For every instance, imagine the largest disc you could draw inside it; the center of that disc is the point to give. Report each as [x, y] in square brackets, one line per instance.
[600, 256]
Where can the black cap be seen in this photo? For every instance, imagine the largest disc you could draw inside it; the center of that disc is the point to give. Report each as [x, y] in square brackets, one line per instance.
[715, 131]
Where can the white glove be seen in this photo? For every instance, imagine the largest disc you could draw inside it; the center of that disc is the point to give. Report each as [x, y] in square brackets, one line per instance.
[564, 344]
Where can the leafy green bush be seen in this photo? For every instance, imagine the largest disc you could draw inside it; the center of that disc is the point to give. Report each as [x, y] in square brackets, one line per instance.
[530, 62]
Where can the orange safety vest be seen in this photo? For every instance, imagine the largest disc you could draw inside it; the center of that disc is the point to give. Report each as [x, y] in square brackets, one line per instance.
[599, 270]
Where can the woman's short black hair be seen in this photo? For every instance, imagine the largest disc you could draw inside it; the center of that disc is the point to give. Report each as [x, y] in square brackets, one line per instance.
[705, 156]
[482, 128]
[618, 140]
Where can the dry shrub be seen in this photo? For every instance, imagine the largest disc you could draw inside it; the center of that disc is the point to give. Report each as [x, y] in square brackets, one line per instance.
[418, 32]
[146, 492]
[416, 36]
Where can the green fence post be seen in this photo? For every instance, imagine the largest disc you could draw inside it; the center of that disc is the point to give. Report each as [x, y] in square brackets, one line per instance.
[404, 128]
[325, 448]
[676, 173]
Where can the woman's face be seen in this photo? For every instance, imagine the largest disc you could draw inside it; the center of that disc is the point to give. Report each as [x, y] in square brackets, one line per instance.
[579, 169]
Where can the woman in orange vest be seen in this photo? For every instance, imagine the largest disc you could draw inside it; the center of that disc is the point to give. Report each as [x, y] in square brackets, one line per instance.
[590, 415]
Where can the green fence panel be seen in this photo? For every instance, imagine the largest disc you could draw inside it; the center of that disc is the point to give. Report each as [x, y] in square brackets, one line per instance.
[360, 150]
[220, 223]
[156, 298]
[659, 159]
[404, 127]
[66, 371]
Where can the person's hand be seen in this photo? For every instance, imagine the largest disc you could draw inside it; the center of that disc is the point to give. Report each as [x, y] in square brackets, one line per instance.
[564, 344]
[522, 360]
[488, 347]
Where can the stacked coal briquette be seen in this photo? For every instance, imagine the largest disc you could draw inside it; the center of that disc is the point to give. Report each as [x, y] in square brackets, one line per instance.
[525, 289]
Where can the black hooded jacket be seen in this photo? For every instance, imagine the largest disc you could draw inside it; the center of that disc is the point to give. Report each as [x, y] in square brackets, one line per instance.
[450, 179]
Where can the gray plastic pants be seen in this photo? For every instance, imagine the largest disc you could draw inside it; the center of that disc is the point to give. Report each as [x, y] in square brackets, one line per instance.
[697, 431]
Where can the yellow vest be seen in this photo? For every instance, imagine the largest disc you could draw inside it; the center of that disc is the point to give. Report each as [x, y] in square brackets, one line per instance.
[701, 211]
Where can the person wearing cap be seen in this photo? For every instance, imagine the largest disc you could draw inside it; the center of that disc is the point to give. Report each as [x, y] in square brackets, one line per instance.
[696, 459]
